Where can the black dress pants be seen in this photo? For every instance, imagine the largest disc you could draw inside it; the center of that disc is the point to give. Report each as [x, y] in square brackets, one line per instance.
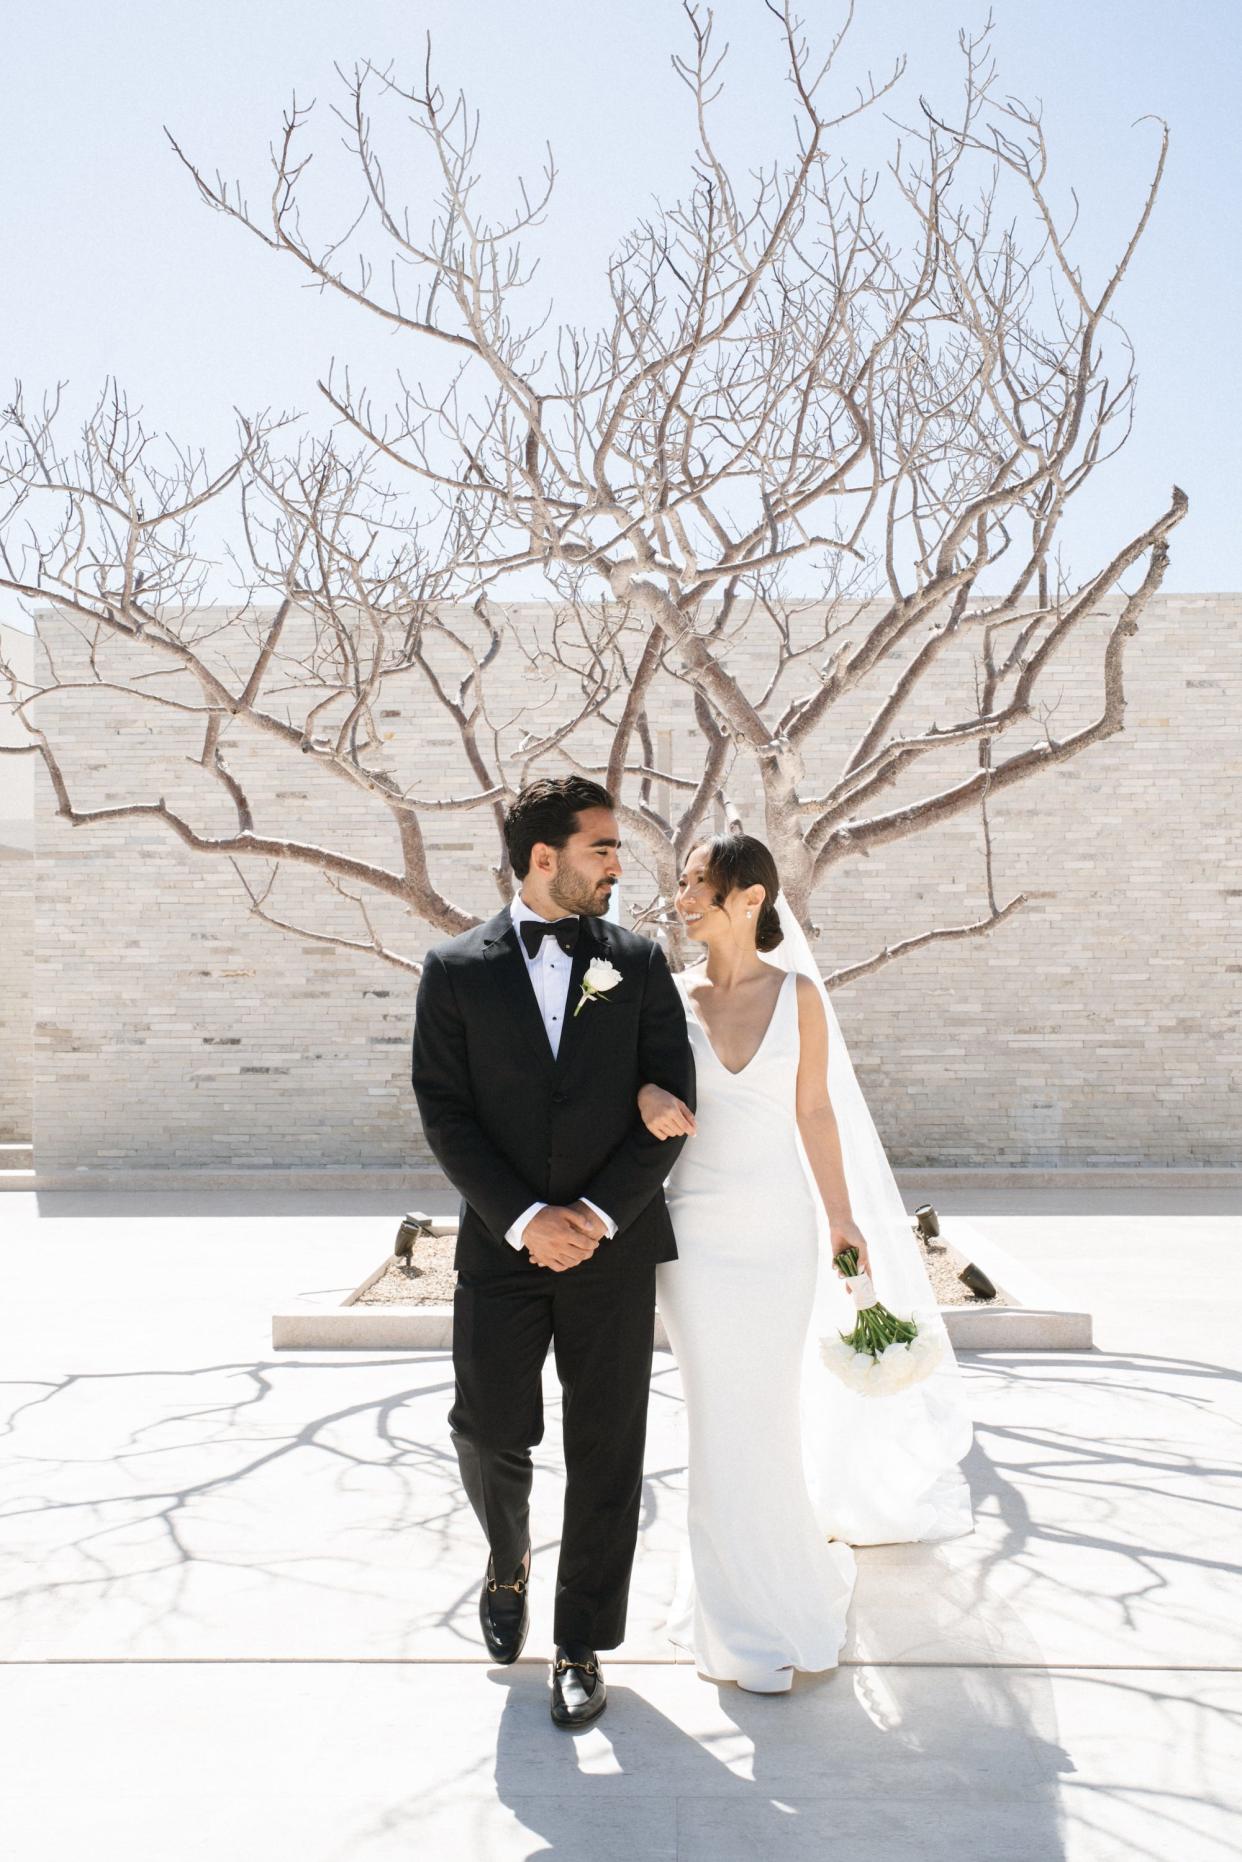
[599, 1319]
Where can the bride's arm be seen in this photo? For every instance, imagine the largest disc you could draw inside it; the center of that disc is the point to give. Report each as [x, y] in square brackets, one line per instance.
[817, 1124]
[664, 1114]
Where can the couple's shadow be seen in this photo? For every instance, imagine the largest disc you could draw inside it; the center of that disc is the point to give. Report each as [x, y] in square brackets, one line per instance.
[619, 1787]
[853, 1757]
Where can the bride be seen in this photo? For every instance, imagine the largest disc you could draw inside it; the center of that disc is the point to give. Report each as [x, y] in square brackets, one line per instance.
[787, 1467]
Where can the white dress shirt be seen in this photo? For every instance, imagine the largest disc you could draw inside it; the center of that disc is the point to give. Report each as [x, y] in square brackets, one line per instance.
[549, 978]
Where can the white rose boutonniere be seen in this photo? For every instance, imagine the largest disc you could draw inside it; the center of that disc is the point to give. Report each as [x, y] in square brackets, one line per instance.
[601, 976]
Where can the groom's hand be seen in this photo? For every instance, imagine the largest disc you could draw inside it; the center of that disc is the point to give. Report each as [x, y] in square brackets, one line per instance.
[561, 1238]
[589, 1220]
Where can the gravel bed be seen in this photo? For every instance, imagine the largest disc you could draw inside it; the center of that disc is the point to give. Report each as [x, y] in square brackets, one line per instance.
[430, 1279]
[944, 1263]
[426, 1281]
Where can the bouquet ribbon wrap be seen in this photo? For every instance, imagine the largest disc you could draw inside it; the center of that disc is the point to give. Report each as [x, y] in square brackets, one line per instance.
[861, 1291]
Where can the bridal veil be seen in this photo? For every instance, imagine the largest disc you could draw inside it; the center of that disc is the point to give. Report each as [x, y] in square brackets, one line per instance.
[880, 1469]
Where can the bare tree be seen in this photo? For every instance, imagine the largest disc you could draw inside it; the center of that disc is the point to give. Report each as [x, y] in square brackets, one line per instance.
[884, 388]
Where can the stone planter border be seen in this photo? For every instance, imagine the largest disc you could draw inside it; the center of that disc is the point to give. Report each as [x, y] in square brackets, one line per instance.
[1041, 1322]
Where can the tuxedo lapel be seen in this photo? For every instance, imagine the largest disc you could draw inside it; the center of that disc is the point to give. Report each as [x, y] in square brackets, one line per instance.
[576, 1034]
[507, 974]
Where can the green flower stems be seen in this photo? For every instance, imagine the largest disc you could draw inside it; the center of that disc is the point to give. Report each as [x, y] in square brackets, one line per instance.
[875, 1327]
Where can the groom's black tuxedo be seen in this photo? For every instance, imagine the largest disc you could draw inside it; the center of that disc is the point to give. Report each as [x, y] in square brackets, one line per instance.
[511, 1124]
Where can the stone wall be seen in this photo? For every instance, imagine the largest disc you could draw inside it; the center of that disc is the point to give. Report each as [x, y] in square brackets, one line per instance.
[16, 977]
[1098, 1025]
[16, 911]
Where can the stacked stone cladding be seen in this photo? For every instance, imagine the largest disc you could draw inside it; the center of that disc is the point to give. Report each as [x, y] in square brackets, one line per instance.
[16, 910]
[16, 980]
[1097, 1026]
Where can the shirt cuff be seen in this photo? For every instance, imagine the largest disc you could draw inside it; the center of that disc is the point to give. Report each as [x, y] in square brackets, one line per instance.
[606, 1219]
[516, 1230]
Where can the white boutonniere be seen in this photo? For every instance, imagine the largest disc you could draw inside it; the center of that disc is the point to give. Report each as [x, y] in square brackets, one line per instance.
[601, 976]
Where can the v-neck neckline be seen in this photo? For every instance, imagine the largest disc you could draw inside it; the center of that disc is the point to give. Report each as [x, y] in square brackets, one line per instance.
[736, 1073]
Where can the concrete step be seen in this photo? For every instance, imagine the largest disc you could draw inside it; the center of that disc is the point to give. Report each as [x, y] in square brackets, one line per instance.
[17, 1167]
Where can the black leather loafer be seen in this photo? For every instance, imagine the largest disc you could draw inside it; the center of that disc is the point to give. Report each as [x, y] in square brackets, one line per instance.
[578, 1692]
[504, 1615]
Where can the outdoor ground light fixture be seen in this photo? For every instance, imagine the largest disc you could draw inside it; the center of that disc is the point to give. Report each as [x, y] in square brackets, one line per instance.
[926, 1222]
[412, 1226]
[976, 1281]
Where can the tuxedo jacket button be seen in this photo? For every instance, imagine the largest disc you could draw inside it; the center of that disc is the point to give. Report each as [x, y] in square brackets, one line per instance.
[558, 1099]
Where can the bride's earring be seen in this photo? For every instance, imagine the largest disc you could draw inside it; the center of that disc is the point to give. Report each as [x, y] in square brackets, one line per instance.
[750, 914]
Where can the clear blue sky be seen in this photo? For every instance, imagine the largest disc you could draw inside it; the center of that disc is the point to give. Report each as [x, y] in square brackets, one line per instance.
[114, 266]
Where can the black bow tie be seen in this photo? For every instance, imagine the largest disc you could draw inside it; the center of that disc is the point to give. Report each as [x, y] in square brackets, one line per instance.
[532, 932]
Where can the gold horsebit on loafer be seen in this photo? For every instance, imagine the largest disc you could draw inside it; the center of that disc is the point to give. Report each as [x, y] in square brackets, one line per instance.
[588, 1668]
[493, 1585]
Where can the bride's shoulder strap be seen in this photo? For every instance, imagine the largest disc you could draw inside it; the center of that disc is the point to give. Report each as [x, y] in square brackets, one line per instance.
[679, 977]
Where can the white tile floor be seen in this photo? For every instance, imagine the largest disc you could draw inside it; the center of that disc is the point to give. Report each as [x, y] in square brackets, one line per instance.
[237, 1587]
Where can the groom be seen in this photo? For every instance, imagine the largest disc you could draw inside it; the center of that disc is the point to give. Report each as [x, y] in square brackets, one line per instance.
[532, 1035]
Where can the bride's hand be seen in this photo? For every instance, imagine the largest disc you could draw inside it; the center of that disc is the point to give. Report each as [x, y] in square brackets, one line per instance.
[849, 1235]
[664, 1114]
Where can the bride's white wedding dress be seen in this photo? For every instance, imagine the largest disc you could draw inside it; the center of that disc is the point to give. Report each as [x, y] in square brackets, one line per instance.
[769, 1591]
[789, 1468]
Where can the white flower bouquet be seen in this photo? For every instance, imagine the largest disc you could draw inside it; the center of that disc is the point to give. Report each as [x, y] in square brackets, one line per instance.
[883, 1353]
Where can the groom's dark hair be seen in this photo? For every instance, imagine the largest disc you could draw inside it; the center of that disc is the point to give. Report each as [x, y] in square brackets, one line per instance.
[548, 810]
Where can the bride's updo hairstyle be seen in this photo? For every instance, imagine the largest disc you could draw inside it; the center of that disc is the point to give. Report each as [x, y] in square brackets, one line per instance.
[739, 860]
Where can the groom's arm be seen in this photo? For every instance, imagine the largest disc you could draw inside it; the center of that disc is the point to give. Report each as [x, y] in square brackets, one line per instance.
[637, 1168]
[441, 1079]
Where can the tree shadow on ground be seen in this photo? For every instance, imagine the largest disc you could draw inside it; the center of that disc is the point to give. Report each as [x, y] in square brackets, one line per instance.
[133, 1487]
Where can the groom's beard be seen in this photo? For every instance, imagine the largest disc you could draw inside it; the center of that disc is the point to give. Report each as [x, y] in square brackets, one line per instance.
[581, 897]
